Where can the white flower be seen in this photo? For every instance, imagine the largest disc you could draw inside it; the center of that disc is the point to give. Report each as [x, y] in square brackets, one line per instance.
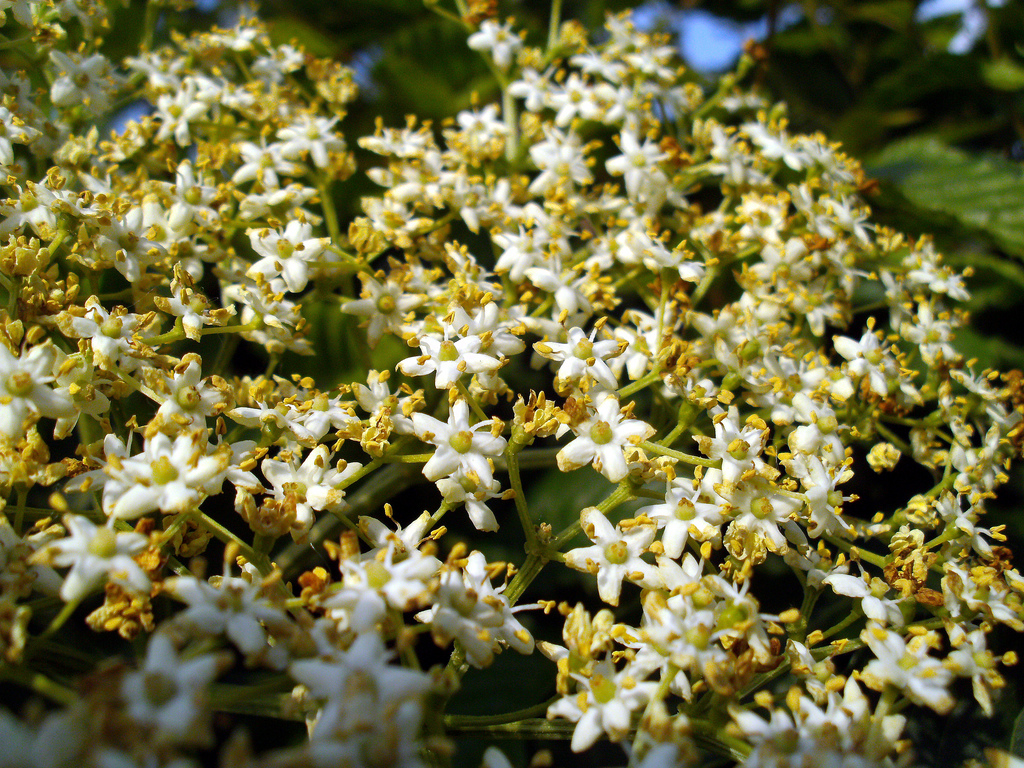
[683, 515]
[605, 704]
[739, 448]
[191, 400]
[95, 554]
[168, 695]
[560, 159]
[313, 136]
[459, 445]
[390, 576]
[286, 254]
[172, 476]
[469, 609]
[616, 555]
[232, 606]
[907, 666]
[385, 304]
[313, 485]
[869, 358]
[264, 164]
[601, 438]
[638, 165]
[177, 111]
[575, 98]
[111, 334]
[372, 711]
[448, 360]
[582, 360]
[89, 81]
[775, 145]
[459, 488]
[24, 390]
[973, 659]
[873, 600]
[497, 38]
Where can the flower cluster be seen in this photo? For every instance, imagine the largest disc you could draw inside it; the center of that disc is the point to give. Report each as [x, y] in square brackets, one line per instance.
[654, 288]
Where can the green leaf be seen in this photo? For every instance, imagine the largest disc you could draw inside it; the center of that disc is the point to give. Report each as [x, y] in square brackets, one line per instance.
[895, 14]
[1017, 737]
[558, 497]
[1003, 75]
[288, 29]
[983, 192]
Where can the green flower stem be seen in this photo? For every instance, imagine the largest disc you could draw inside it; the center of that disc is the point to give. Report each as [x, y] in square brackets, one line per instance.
[38, 682]
[444, 13]
[688, 413]
[645, 381]
[436, 517]
[512, 464]
[620, 495]
[710, 736]
[686, 458]
[855, 615]
[461, 722]
[226, 536]
[530, 570]
[639, 747]
[510, 114]
[473, 403]
[330, 212]
[554, 22]
[224, 695]
[262, 544]
[534, 458]
[408, 458]
[61, 618]
[178, 332]
[893, 438]
[529, 728]
[949, 534]
[869, 557]
[19, 514]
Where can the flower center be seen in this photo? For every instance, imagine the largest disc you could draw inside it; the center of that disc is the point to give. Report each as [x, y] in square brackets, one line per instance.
[584, 350]
[738, 449]
[19, 383]
[761, 508]
[604, 690]
[448, 352]
[465, 603]
[103, 543]
[164, 471]
[732, 615]
[617, 553]
[285, 248]
[601, 433]
[699, 637]
[111, 327]
[377, 574]
[159, 688]
[386, 304]
[188, 398]
[787, 741]
[461, 442]
[685, 510]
